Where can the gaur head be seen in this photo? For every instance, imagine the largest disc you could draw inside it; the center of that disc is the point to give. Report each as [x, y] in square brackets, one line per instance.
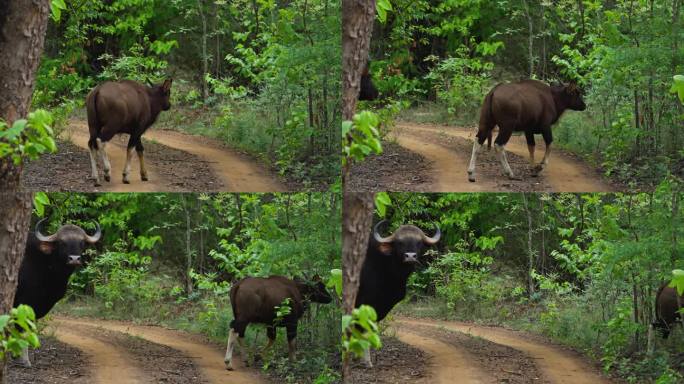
[66, 246]
[162, 93]
[407, 244]
[314, 290]
[572, 96]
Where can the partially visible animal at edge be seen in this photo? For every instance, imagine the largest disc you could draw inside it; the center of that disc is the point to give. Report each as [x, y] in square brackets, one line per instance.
[667, 306]
[389, 263]
[254, 300]
[528, 106]
[123, 107]
[367, 91]
[49, 261]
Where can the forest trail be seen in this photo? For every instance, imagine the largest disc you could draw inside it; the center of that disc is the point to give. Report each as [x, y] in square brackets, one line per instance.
[207, 357]
[444, 162]
[236, 171]
[564, 173]
[446, 361]
[108, 362]
[559, 366]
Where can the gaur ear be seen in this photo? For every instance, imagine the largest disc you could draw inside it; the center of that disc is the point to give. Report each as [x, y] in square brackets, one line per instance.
[167, 84]
[46, 247]
[385, 248]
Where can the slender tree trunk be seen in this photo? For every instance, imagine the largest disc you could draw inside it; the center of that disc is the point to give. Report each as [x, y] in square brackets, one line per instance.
[22, 33]
[530, 249]
[188, 250]
[205, 57]
[530, 36]
[357, 218]
[14, 227]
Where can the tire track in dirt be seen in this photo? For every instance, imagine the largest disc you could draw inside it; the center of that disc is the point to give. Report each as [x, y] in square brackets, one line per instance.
[447, 363]
[564, 174]
[208, 358]
[108, 362]
[237, 172]
[445, 164]
[557, 365]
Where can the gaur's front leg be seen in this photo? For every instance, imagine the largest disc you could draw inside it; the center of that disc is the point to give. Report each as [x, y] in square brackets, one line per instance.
[291, 335]
[529, 137]
[548, 139]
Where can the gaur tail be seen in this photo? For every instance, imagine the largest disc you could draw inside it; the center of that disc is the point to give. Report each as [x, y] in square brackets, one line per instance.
[93, 125]
[487, 122]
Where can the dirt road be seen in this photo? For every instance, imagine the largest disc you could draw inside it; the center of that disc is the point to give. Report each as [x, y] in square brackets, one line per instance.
[556, 364]
[110, 363]
[237, 172]
[564, 173]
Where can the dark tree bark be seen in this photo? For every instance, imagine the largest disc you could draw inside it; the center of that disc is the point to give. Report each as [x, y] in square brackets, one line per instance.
[357, 208]
[22, 33]
[15, 215]
[357, 218]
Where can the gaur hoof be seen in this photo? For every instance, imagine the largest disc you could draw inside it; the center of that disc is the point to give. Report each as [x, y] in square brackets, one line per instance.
[144, 178]
[107, 178]
[471, 178]
[98, 184]
[229, 366]
[514, 177]
[125, 181]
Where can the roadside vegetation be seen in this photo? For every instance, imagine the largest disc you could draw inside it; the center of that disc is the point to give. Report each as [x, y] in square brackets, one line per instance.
[580, 269]
[436, 62]
[170, 259]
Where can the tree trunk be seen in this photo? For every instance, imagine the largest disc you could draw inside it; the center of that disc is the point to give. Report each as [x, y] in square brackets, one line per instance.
[357, 28]
[530, 36]
[205, 58]
[530, 249]
[357, 218]
[22, 33]
[188, 250]
[14, 227]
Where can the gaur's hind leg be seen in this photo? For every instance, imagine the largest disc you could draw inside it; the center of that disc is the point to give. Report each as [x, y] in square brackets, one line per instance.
[291, 335]
[107, 167]
[139, 149]
[132, 143]
[271, 333]
[367, 359]
[479, 140]
[499, 147]
[92, 146]
[229, 350]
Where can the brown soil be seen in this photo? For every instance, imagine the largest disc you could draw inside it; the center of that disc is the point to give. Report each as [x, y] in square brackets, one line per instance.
[447, 153]
[175, 162]
[565, 172]
[502, 364]
[69, 170]
[556, 364]
[207, 357]
[396, 169]
[53, 363]
[395, 362]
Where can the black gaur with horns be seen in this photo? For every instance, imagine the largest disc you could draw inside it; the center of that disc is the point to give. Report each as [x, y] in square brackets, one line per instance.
[389, 262]
[49, 261]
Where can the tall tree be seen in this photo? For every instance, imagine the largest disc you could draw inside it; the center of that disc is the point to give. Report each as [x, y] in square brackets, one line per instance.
[14, 222]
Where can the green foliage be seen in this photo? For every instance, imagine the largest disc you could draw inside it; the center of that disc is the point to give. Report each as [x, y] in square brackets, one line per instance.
[360, 137]
[360, 331]
[17, 331]
[283, 310]
[28, 138]
[40, 201]
[382, 201]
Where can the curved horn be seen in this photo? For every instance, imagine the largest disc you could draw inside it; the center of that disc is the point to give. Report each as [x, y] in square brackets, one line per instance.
[379, 238]
[434, 239]
[96, 236]
[42, 237]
